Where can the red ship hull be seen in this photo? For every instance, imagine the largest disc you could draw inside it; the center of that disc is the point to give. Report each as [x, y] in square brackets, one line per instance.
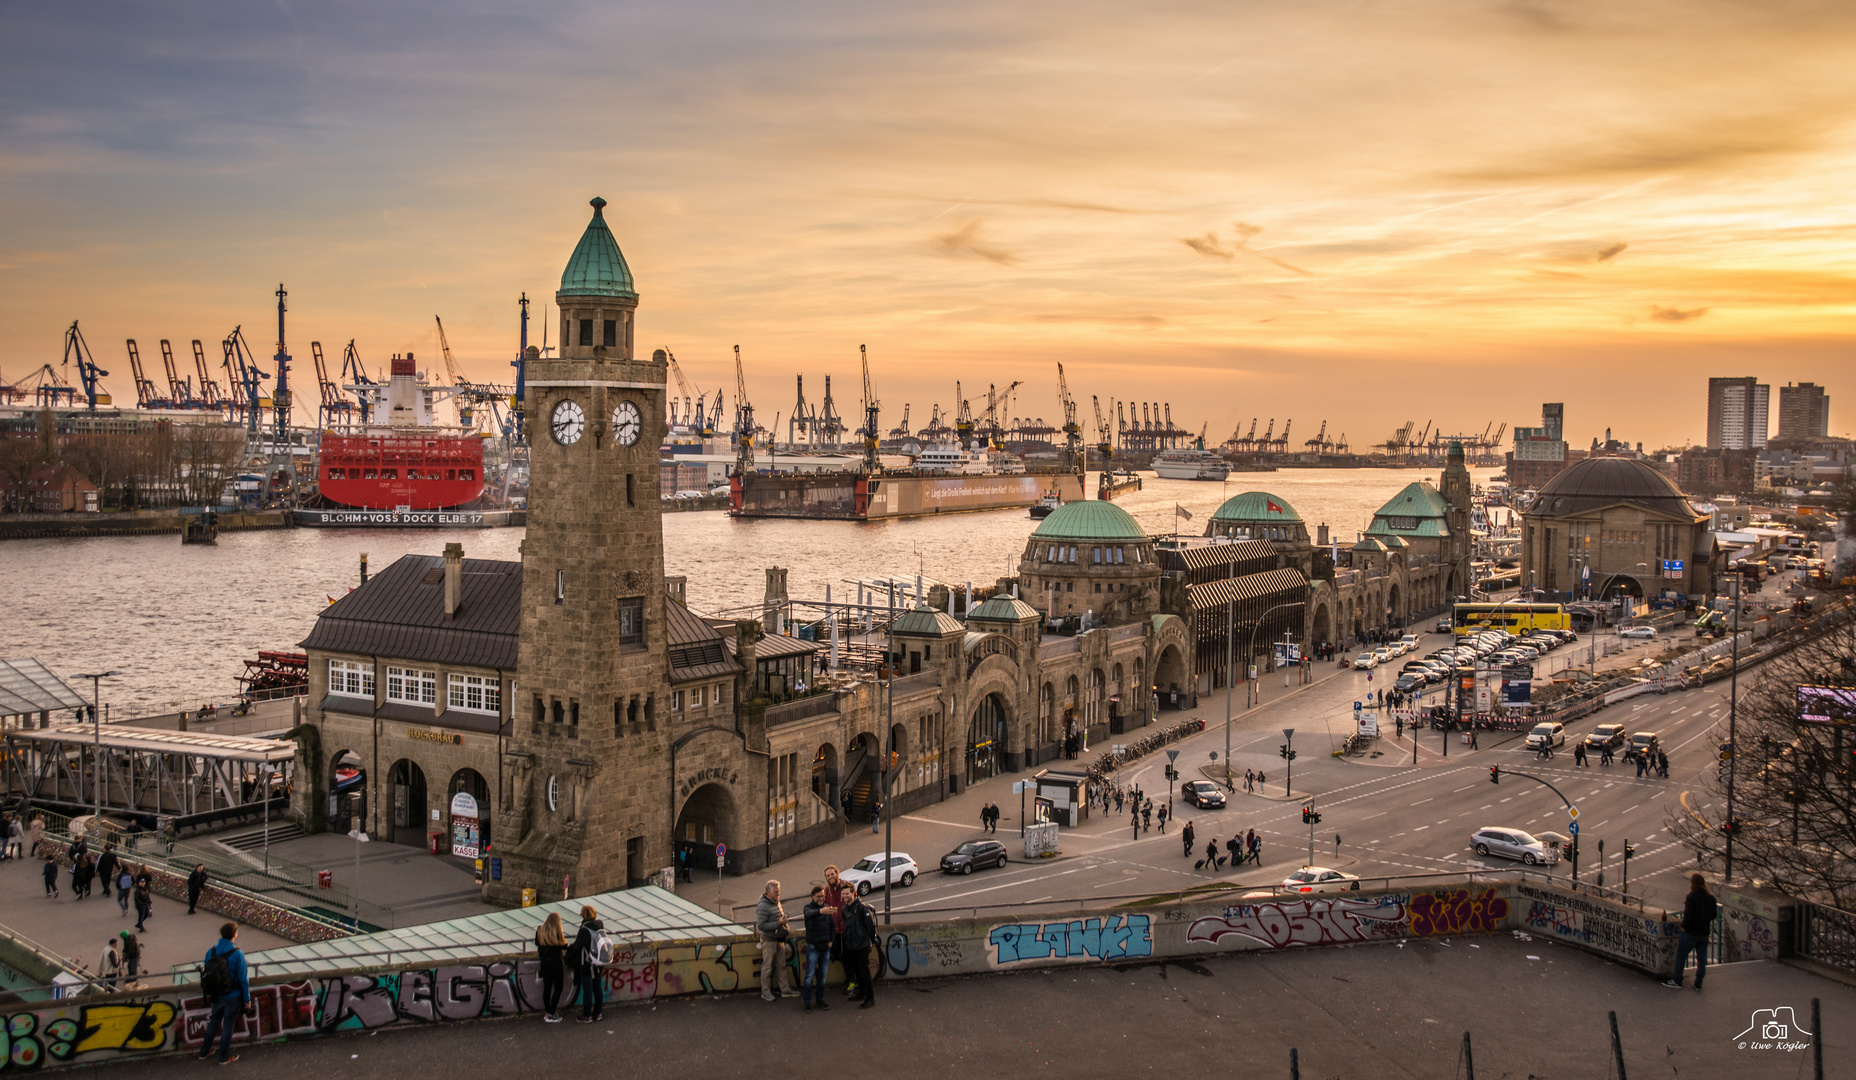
[422, 471]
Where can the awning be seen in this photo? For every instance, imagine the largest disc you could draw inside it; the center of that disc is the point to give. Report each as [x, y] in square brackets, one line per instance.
[26, 686]
[1213, 594]
[154, 740]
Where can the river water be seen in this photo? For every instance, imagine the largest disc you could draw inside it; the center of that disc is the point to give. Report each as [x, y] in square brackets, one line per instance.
[179, 621]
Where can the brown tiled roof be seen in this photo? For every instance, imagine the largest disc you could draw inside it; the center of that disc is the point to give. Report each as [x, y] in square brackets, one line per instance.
[697, 650]
[400, 613]
[777, 646]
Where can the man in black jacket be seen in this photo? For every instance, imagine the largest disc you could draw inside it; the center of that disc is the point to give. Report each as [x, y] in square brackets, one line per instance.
[859, 935]
[1698, 913]
[819, 934]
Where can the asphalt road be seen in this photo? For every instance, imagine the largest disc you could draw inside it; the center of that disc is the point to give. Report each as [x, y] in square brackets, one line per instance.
[1392, 818]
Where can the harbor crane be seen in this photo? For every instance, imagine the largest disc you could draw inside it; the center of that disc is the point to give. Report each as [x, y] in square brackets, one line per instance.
[354, 373]
[280, 390]
[1269, 435]
[242, 369]
[451, 366]
[1400, 439]
[1319, 444]
[180, 390]
[88, 372]
[1072, 432]
[870, 429]
[1104, 446]
[210, 394]
[744, 421]
[146, 396]
[1340, 444]
[963, 417]
[1281, 445]
[901, 431]
[683, 384]
[334, 408]
[518, 401]
[50, 390]
[828, 426]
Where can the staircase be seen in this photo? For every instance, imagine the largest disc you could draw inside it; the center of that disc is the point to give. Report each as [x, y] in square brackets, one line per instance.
[254, 840]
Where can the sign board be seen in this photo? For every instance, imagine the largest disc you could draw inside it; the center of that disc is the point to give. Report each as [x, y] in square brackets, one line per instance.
[1019, 786]
[721, 855]
[1673, 568]
[1367, 723]
[1288, 653]
[1574, 812]
[466, 827]
[1573, 828]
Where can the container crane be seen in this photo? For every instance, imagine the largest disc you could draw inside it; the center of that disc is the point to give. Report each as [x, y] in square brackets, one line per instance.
[869, 430]
[180, 391]
[744, 421]
[334, 408]
[799, 421]
[1105, 447]
[1072, 432]
[901, 431]
[1281, 445]
[242, 368]
[1319, 443]
[354, 373]
[518, 401]
[683, 384]
[49, 391]
[1269, 436]
[963, 417]
[1340, 444]
[146, 395]
[87, 370]
[280, 391]
[828, 427]
[210, 395]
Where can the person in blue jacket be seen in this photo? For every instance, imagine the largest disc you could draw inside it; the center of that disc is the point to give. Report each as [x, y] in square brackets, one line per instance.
[229, 990]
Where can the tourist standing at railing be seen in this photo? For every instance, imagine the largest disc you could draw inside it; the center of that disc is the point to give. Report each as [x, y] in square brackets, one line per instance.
[196, 882]
[551, 949]
[109, 965]
[775, 938]
[820, 932]
[588, 974]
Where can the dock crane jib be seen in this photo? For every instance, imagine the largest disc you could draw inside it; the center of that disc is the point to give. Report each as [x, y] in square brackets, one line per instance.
[870, 428]
[88, 373]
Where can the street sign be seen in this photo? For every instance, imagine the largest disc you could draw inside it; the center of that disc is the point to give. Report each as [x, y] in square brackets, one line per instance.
[1574, 811]
[1172, 755]
[721, 852]
[1019, 786]
[1573, 828]
[1288, 733]
[1356, 706]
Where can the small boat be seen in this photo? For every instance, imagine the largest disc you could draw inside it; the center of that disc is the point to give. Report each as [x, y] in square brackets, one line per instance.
[200, 528]
[1043, 507]
[1114, 485]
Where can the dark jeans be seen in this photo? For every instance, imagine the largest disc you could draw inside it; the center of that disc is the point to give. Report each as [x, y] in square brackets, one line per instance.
[857, 970]
[812, 984]
[592, 1001]
[551, 985]
[1686, 944]
[193, 900]
[142, 912]
[220, 1023]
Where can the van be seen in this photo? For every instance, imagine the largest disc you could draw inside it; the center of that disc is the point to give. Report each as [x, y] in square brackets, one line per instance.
[1550, 733]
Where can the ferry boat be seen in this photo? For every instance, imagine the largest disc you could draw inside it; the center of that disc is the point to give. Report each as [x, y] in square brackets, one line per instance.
[1190, 463]
[400, 467]
[1044, 507]
[955, 460]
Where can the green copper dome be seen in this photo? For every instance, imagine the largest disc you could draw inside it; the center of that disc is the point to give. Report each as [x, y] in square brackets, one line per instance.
[597, 268]
[1089, 519]
[1256, 506]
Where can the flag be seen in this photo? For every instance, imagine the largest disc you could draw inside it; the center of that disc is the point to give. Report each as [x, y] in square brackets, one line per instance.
[1271, 507]
[1180, 511]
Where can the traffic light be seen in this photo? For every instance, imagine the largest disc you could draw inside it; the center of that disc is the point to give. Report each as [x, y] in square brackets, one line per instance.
[1286, 753]
[1630, 850]
[1314, 818]
[1495, 774]
[1307, 819]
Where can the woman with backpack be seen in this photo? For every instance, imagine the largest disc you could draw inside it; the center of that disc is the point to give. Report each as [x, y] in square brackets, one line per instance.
[592, 951]
[551, 948]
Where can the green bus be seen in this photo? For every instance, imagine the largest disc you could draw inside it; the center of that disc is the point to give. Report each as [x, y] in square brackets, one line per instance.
[1516, 618]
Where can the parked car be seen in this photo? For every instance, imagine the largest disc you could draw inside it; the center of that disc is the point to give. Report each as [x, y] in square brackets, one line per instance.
[1549, 732]
[1410, 641]
[1605, 735]
[1203, 794]
[1637, 632]
[1442, 626]
[1407, 682]
[1365, 661]
[1641, 742]
[973, 855]
[868, 872]
[1512, 844]
[1382, 654]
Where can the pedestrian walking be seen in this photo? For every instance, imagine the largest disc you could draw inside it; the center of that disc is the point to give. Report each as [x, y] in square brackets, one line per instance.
[1162, 816]
[131, 958]
[1235, 846]
[1147, 816]
[106, 868]
[1641, 759]
[1662, 764]
[859, 935]
[1398, 726]
[51, 877]
[1118, 800]
[1698, 912]
[83, 872]
[775, 945]
[1473, 746]
[1185, 837]
[592, 951]
[819, 934]
[35, 833]
[226, 982]
[1604, 755]
[16, 838]
[1256, 849]
[1250, 780]
[551, 951]
[196, 881]
[125, 882]
[144, 900]
[845, 802]
[1211, 855]
[1578, 756]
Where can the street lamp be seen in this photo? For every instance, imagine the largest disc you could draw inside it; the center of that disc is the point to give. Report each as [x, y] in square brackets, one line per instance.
[96, 725]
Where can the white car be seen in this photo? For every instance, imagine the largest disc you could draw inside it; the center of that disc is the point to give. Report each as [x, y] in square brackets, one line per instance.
[1312, 879]
[1550, 733]
[1410, 641]
[868, 872]
[1382, 654]
[1365, 661]
[1638, 632]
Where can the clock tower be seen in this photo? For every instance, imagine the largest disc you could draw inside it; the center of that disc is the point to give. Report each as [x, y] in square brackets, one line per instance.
[586, 802]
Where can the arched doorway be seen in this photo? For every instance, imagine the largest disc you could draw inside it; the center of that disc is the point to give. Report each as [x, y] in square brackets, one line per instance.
[1170, 676]
[1393, 611]
[406, 798]
[1047, 715]
[347, 791]
[825, 776]
[707, 819]
[467, 814]
[986, 739]
[1320, 628]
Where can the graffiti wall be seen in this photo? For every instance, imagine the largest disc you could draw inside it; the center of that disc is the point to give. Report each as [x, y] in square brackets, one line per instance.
[66, 1033]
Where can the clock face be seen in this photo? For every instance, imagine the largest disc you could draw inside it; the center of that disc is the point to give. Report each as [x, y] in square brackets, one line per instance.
[568, 422]
[626, 423]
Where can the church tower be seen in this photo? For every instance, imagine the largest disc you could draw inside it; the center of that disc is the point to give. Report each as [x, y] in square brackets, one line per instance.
[586, 799]
[1456, 493]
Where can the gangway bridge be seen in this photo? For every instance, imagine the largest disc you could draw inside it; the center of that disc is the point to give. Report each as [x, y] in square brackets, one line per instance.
[194, 778]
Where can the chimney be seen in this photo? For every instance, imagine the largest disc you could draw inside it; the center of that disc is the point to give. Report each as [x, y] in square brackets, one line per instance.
[1321, 535]
[454, 579]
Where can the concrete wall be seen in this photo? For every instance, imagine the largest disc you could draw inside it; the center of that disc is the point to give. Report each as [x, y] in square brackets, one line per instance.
[94, 1030]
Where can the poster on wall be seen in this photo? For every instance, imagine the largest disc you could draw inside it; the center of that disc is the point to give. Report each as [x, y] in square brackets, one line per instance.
[465, 831]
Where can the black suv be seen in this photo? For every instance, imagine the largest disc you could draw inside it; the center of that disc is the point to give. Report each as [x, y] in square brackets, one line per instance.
[973, 855]
[1605, 735]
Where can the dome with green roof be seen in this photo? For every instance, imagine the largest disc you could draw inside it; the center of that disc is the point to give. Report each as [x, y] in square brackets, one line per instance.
[1395, 542]
[1089, 519]
[1003, 607]
[927, 622]
[1256, 506]
[1369, 544]
[597, 268]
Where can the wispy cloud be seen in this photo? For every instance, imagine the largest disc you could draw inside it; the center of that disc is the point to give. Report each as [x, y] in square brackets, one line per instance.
[966, 241]
[1241, 232]
[1667, 314]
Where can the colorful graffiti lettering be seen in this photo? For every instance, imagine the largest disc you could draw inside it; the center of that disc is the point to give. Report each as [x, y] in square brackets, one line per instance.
[632, 975]
[1118, 937]
[702, 969]
[896, 954]
[1457, 912]
[274, 1011]
[1760, 941]
[26, 1047]
[428, 995]
[1555, 919]
[124, 1027]
[1338, 921]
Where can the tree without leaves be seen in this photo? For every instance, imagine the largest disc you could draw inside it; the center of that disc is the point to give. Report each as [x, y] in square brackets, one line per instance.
[1794, 785]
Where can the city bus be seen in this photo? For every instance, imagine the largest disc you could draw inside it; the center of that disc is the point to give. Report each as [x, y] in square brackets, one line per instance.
[1516, 618]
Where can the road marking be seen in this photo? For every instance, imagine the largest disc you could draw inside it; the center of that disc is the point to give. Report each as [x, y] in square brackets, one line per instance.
[1509, 799]
[1421, 828]
[1631, 807]
[1465, 787]
[1424, 800]
[1381, 813]
[1485, 806]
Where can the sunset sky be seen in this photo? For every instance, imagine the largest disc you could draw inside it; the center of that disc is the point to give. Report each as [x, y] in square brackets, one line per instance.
[1360, 212]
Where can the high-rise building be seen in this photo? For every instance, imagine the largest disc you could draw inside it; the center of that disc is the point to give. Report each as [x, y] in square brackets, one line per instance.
[1804, 411]
[1737, 413]
[1540, 452]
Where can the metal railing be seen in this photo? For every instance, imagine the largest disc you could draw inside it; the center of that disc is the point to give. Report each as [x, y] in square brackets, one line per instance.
[1825, 934]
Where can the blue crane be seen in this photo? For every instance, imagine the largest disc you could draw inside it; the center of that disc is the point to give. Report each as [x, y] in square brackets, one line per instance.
[87, 370]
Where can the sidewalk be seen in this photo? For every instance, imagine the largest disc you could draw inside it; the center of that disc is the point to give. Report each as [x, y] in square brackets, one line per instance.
[79, 930]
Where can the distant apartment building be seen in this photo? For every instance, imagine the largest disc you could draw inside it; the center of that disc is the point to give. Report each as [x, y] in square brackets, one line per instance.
[1712, 470]
[1804, 412]
[1540, 453]
[1737, 413]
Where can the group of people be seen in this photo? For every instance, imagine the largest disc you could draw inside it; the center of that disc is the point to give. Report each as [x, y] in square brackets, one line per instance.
[585, 957]
[1253, 780]
[1241, 848]
[835, 922]
[989, 818]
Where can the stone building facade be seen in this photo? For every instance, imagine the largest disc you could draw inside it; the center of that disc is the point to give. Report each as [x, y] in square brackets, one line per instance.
[1612, 525]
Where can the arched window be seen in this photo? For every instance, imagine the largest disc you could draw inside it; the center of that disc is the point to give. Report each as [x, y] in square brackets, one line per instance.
[1092, 701]
[1047, 714]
